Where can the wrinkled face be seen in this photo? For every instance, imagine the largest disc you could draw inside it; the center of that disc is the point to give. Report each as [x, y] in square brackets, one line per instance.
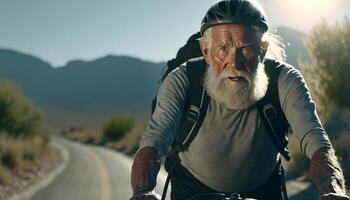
[235, 77]
[232, 46]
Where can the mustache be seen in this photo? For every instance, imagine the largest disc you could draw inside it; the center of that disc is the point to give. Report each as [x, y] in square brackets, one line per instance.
[230, 72]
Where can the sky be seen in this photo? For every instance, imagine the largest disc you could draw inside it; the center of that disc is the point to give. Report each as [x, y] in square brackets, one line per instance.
[58, 31]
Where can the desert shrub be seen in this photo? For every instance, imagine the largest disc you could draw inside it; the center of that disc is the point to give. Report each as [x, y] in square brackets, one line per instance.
[327, 76]
[342, 148]
[18, 115]
[328, 73]
[130, 142]
[132, 139]
[116, 128]
[22, 141]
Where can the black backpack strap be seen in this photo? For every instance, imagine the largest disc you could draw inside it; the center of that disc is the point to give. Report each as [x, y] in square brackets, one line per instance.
[270, 110]
[196, 109]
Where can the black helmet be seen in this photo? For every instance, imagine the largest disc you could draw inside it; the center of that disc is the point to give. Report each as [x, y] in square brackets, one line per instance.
[234, 11]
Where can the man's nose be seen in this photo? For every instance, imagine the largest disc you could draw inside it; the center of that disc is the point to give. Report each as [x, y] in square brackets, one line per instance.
[234, 60]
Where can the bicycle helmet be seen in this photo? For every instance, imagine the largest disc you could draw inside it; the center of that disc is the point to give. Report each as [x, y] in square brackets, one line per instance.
[234, 11]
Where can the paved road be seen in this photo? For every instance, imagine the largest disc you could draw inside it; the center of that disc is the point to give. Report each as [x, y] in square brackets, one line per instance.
[96, 173]
[92, 173]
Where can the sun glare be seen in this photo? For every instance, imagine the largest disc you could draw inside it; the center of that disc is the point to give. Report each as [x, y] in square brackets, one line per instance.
[312, 8]
[305, 13]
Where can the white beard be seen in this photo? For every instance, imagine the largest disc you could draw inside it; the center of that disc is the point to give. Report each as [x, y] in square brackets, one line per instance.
[236, 95]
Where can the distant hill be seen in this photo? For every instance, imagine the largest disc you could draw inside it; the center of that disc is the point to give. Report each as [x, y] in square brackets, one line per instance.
[27, 70]
[82, 92]
[85, 93]
[111, 80]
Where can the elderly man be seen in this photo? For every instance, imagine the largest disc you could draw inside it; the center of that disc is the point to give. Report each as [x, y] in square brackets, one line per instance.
[232, 151]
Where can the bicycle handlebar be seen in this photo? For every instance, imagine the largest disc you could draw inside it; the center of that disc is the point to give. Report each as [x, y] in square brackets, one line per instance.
[218, 196]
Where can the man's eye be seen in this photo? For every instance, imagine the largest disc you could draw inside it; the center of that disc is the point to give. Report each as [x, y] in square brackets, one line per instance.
[248, 53]
[222, 51]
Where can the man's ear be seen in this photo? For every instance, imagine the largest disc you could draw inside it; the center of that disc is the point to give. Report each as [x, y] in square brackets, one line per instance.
[263, 49]
[205, 51]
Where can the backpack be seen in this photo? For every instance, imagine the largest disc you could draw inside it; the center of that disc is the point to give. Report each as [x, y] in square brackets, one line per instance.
[269, 107]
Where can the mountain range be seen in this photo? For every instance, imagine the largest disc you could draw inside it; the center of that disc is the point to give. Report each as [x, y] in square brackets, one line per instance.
[86, 93]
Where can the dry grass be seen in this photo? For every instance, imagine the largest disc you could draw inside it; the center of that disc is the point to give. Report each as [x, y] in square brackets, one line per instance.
[82, 135]
[130, 142]
[298, 165]
[19, 154]
[5, 175]
[342, 148]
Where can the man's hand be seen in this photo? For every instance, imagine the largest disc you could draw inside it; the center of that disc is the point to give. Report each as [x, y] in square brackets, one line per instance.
[327, 175]
[146, 196]
[333, 196]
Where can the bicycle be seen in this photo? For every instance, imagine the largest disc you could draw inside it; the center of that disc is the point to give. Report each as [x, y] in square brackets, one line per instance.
[218, 196]
[204, 196]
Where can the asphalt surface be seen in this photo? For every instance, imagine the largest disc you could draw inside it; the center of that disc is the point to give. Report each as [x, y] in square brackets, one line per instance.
[92, 173]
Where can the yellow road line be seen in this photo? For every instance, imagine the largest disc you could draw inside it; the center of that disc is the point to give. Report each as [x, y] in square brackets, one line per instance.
[106, 192]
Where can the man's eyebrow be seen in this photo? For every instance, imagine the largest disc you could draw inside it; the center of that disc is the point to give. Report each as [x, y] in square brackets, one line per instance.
[248, 44]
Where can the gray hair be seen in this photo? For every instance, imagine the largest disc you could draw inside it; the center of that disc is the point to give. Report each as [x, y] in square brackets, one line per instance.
[207, 37]
[276, 49]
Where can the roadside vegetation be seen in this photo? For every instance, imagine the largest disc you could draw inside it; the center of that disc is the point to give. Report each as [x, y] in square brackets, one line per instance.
[327, 76]
[116, 128]
[20, 155]
[118, 133]
[83, 135]
[23, 142]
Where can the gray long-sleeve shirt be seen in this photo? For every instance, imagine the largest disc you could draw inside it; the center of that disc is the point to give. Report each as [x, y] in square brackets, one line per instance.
[232, 151]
